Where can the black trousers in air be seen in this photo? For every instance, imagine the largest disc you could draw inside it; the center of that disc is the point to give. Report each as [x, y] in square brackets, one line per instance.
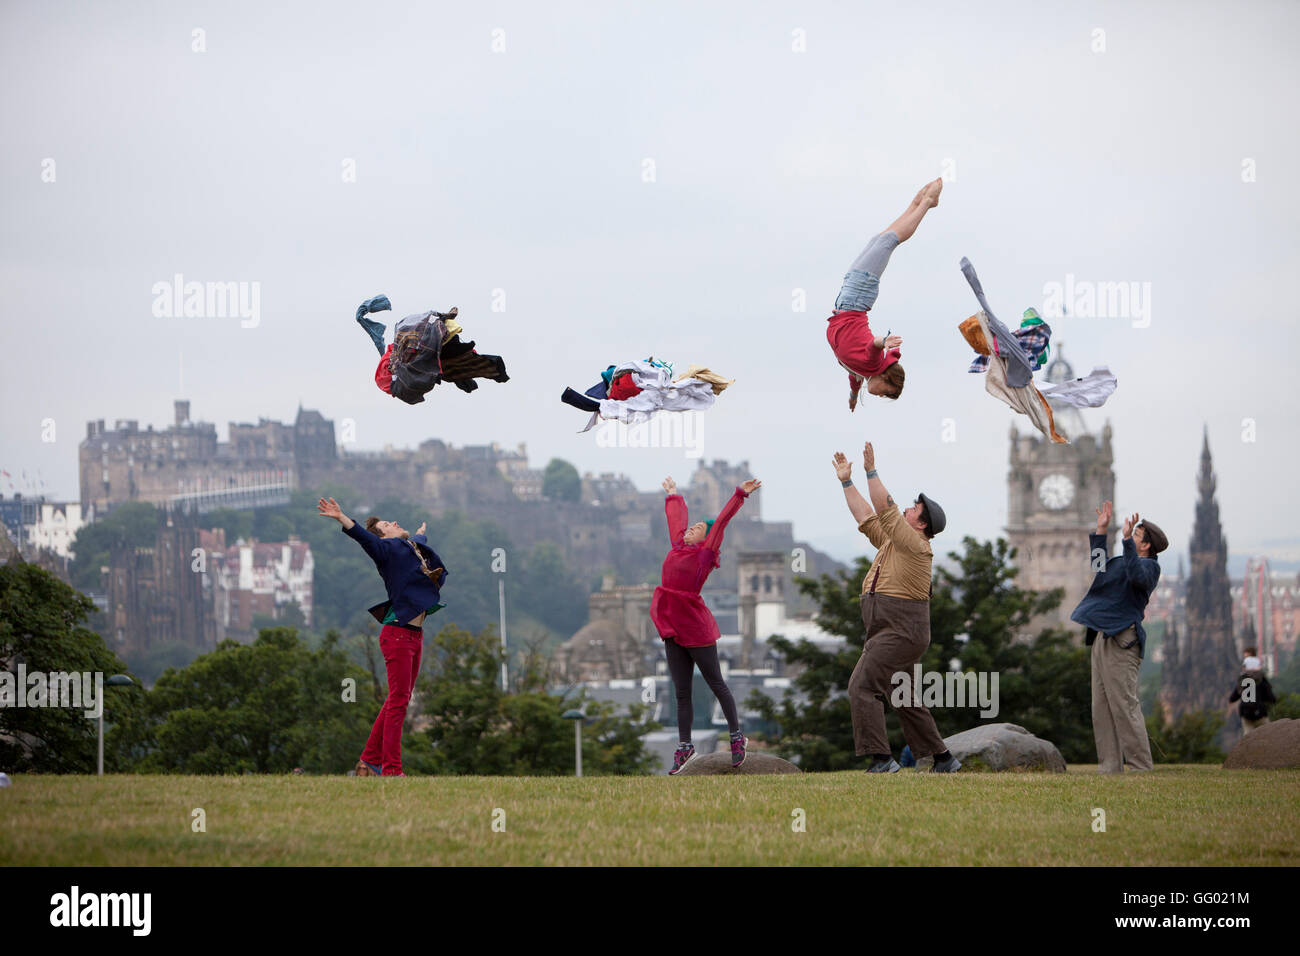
[682, 662]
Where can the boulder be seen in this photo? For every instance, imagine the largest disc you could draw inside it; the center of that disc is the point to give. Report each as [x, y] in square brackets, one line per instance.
[703, 765]
[1003, 747]
[1274, 746]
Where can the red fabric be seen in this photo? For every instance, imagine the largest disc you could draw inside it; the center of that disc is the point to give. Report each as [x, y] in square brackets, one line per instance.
[854, 344]
[401, 648]
[383, 376]
[622, 388]
[676, 607]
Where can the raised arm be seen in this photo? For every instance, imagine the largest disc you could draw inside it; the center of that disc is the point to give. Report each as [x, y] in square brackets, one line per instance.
[1097, 540]
[880, 497]
[1140, 574]
[675, 511]
[858, 506]
[714, 538]
[369, 542]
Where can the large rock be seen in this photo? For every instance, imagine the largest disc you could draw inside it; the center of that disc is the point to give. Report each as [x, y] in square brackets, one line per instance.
[1274, 746]
[1004, 747]
[718, 763]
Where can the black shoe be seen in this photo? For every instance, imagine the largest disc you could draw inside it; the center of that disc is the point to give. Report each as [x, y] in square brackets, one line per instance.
[951, 765]
[884, 766]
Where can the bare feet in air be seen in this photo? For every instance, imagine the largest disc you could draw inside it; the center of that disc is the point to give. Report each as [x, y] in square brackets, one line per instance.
[931, 192]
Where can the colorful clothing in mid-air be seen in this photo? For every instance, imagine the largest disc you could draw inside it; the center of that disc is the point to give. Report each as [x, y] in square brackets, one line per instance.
[1034, 336]
[632, 392]
[426, 350]
[1011, 358]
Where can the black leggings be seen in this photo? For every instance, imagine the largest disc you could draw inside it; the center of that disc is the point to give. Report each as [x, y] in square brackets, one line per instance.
[682, 662]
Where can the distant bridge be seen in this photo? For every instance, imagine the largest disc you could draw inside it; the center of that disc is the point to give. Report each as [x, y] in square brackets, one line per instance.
[239, 492]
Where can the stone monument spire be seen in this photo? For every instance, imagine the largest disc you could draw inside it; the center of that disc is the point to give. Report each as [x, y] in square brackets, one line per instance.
[1201, 662]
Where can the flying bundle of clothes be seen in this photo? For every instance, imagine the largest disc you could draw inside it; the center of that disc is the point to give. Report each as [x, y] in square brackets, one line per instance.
[632, 392]
[426, 349]
[1011, 358]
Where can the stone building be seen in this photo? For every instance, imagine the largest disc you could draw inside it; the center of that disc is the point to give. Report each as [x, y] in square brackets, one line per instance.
[1201, 659]
[1053, 491]
[185, 460]
[1265, 606]
[250, 579]
[55, 527]
[712, 485]
[618, 641]
[156, 595]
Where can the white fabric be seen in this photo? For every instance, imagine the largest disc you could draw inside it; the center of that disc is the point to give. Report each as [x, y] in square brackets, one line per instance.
[1091, 391]
[1251, 664]
[659, 393]
[1026, 400]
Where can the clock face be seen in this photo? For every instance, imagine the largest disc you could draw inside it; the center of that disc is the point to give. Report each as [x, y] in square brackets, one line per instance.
[1056, 491]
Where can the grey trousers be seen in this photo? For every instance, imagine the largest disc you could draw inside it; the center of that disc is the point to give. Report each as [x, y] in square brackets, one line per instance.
[1117, 720]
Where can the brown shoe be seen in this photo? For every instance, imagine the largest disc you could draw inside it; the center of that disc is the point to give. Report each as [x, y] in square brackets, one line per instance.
[365, 770]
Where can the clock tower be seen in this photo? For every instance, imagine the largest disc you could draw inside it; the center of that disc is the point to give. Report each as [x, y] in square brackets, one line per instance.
[1053, 492]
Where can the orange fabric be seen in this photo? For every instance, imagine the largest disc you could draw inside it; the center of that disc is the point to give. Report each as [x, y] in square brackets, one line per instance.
[1051, 420]
[974, 335]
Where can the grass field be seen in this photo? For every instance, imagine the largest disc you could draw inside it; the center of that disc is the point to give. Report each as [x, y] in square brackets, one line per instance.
[1184, 815]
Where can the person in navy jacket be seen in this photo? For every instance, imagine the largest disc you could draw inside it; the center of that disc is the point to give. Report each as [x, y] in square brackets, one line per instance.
[1113, 610]
[413, 575]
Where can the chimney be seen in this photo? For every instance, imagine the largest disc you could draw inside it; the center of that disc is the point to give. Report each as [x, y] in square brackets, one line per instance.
[182, 412]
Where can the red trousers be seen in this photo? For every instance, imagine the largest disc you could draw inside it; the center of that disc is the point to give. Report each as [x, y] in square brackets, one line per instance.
[401, 647]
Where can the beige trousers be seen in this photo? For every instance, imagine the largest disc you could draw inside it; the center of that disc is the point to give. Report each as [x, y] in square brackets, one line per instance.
[1117, 721]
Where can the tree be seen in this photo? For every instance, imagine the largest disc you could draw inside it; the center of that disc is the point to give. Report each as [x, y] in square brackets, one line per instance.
[561, 482]
[265, 707]
[550, 591]
[132, 524]
[1189, 739]
[977, 617]
[42, 626]
[477, 728]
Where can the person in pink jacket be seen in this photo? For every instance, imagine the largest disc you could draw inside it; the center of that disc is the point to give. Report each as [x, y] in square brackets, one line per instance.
[689, 632]
[868, 357]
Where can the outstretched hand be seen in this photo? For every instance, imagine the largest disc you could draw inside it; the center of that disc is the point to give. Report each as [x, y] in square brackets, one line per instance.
[329, 508]
[1130, 523]
[422, 527]
[1103, 516]
[893, 342]
[868, 457]
[843, 467]
[751, 486]
[670, 486]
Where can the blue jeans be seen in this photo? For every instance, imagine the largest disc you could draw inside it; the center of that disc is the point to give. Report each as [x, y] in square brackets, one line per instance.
[862, 281]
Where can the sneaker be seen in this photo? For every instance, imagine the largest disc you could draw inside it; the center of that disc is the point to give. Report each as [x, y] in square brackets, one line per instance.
[738, 751]
[951, 765]
[884, 766]
[367, 769]
[681, 758]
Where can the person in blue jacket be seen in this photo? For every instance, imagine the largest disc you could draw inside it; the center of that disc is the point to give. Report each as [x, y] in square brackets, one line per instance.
[1113, 610]
[413, 575]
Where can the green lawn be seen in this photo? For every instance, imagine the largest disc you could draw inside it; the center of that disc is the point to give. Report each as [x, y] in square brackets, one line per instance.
[1184, 815]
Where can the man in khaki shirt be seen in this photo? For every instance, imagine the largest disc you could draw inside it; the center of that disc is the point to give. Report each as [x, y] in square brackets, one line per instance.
[896, 615]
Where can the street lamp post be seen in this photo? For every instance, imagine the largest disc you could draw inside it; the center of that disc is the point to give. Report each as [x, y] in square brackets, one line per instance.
[576, 716]
[117, 680]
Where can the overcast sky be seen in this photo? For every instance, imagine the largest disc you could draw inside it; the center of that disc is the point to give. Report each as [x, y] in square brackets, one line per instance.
[504, 146]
